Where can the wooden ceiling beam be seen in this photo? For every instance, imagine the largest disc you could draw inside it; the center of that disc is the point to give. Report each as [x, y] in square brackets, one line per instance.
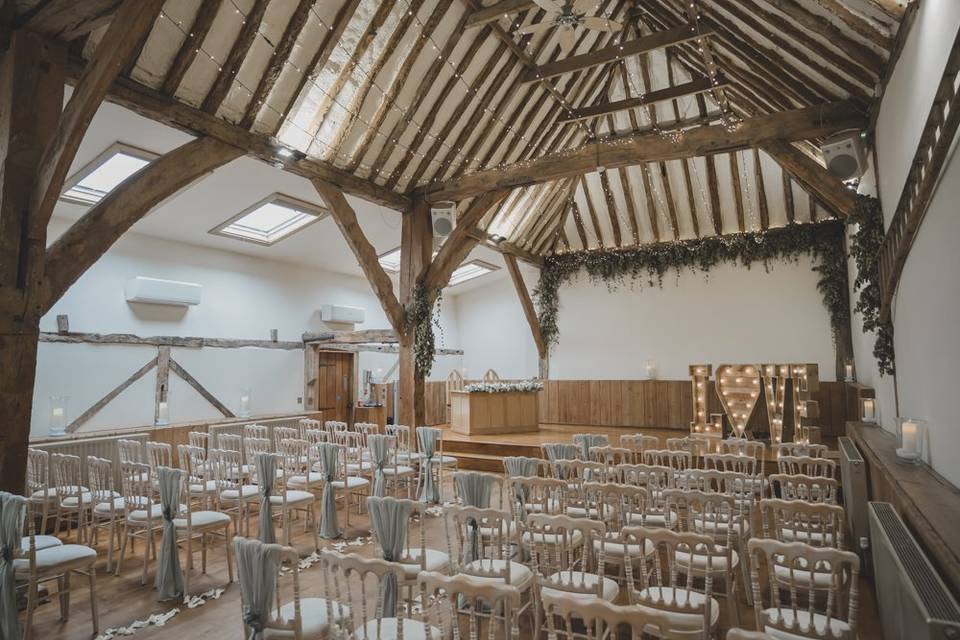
[155, 106]
[187, 53]
[320, 58]
[578, 222]
[788, 205]
[631, 204]
[496, 11]
[798, 124]
[131, 21]
[827, 188]
[88, 238]
[280, 57]
[714, 190]
[66, 19]
[529, 312]
[366, 255]
[736, 186]
[387, 101]
[612, 210]
[671, 203]
[761, 191]
[238, 53]
[605, 55]
[651, 204]
[592, 210]
[700, 85]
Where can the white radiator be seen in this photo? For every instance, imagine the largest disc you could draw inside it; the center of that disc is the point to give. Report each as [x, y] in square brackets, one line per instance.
[914, 602]
[853, 479]
[104, 447]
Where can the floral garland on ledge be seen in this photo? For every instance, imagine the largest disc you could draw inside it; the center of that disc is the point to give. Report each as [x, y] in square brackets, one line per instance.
[651, 262]
[865, 245]
[504, 387]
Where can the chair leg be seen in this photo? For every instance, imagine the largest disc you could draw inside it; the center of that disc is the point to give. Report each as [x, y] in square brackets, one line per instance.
[228, 540]
[65, 597]
[31, 606]
[92, 576]
[110, 535]
[203, 553]
[123, 548]
[146, 555]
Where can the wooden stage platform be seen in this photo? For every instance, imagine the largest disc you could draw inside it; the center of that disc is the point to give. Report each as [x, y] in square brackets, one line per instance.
[486, 452]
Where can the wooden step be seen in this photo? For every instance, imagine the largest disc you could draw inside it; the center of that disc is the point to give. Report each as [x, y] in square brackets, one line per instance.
[490, 463]
[498, 449]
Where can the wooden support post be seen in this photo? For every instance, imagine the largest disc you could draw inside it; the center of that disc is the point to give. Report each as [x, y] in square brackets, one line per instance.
[63, 324]
[163, 380]
[31, 97]
[416, 247]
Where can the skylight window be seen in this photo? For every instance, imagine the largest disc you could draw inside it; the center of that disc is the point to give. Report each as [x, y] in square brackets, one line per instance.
[101, 176]
[390, 260]
[270, 220]
[471, 270]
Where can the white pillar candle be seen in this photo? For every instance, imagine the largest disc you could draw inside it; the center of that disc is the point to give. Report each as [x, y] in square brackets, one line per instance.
[869, 410]
[909, 434]
[163, 412]
[849, 370]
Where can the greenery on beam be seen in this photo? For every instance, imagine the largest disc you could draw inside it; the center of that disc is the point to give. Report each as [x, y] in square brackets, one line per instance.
[419, 315]
[650, 263]
[865, 244]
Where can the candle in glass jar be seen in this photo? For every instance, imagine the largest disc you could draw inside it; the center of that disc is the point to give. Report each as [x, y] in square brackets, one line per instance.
[849, 372]
[869, 410]
[163, 412]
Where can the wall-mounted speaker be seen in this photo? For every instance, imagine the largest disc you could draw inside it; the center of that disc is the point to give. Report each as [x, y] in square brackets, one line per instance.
[845, 156]
[444, 216]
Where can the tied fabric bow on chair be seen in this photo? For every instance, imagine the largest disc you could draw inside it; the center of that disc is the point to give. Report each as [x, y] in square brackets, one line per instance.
[427, 439]
[266, 475]
[169, 581]
[388, 521]
[328, 501]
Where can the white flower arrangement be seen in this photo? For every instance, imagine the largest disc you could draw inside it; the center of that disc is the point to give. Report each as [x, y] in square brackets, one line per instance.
[504, 387]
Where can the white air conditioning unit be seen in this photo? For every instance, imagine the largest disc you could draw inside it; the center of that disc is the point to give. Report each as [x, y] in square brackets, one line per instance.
[845, 156]
[340, 313]
[444, 216]
[157, 291]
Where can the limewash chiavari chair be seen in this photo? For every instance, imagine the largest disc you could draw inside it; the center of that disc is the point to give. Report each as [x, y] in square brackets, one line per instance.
[806, 465]
[199, 439]
[561, 549]
[308, 424]
[200, 486]
[800, 487]
[301, 459]
[746, 465]
[744, 447]
[816, 524]
[357, 458]
[720, 517]
[334, 427]
[610, 457]
[256, 431]
[491, 559]
[655, 479]
[394, 472]
[40, 490]
[130, 451]
[536, 495]
[405, 454]
[251, 447]
[297, 619]
[679, 461]
[575, 473]
[142, 514]
[33, 565]
[284, 433]
[600, 620]
[366, 429]
[623, 505]
[199, 526]
[291, 490]
[797, 569]
[159, 454]
[669, 587]
[107, 504]
[346, 484]
[73, 498]
[801, 449]
[315, 436]
[637, 443]
[234, 442]
[454, 602]
[553, 451]
[415, 555]
[357, 608]
[234, 494]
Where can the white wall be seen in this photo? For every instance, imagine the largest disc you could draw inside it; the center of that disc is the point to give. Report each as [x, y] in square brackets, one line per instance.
[732, 315]
[927, 306]
[243, 297]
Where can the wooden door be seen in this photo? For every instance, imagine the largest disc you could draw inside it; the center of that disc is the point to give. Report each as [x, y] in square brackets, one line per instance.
[335, 385]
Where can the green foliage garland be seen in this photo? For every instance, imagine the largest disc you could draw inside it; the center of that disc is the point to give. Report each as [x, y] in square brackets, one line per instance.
[865, 245]
[651, 262]
[420, 315]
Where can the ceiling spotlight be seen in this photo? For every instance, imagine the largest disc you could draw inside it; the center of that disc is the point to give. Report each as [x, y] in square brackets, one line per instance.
[496, 238]
[284, 152]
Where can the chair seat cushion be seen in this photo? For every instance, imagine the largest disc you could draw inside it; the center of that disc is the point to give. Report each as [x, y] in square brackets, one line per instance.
[156, 511]
[435, 561]
[784, 617]
[488, 532]
[582, 581]
[245, 491]
[203, 519]
[364, 465]
[119, 503]
[41, 542]
[351, 482]
[822, 577]
[816, 538]
[313, 618]
[653, 519]
[64, 555]
[614, 549]
[72, 501]
[294, 496]
[681, 623]
[583, 512]
[386, 629]
[208, 486]
[51, 492]
[539, 537]
[314, 477]
[520, 575]
[399, 470]
[444, 460]
[718, 561]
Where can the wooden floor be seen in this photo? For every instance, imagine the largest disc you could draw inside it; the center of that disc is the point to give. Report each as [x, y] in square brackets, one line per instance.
[122, 599]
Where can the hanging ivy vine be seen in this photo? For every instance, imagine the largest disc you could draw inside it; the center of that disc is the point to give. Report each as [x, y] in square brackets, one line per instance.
[650, 263]
[865, 244]
[421, 316]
